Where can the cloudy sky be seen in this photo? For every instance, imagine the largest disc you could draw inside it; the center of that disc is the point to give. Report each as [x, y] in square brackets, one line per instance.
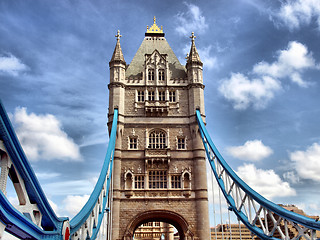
[261, 71]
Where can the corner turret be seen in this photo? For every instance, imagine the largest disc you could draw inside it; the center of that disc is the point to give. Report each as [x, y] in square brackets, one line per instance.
[193, 57]
[195, 78]
[117, 54]
[117, 66]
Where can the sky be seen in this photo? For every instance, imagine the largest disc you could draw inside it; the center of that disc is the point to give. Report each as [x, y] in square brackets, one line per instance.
[261, 71]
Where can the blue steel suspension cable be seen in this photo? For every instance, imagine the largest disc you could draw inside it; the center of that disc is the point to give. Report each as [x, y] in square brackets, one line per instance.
[286, 215]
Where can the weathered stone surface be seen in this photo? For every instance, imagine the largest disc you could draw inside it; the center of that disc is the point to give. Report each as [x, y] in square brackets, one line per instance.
[184, 205]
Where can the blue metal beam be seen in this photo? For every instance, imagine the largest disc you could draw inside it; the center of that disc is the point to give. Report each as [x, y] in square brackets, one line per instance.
[83, 215]
[291, 216]
[51, 224]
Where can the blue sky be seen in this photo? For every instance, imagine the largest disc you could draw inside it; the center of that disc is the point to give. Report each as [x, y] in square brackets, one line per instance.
[261, 71]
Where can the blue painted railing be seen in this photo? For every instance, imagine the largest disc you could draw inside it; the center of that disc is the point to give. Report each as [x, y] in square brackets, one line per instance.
[235, 186]
[52, 227]
[104, 181]
[51, 224]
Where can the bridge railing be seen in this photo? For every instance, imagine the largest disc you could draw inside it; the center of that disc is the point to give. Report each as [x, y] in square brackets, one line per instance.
[86, 224]
[34, 217]
[262, 217]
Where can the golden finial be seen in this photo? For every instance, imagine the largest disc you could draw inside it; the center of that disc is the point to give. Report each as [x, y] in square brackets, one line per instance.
[154, 28]
[187, 57]
[118, 36]
[192, 37]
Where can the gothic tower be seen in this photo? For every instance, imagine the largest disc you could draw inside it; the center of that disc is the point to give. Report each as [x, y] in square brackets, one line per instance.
[159, 163]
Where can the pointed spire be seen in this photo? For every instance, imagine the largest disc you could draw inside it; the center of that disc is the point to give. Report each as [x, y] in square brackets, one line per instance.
[117, 54]
[193, 55]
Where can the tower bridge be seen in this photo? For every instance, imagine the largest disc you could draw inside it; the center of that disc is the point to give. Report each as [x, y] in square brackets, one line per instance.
[155, 166]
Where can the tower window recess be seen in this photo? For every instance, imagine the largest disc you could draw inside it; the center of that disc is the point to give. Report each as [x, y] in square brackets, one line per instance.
[175, 181]
[140, 96]
[139, 182]
[150, 74]
[128, 181]
[162, 95]
[161, 74]
[151, 95]
[157, 139]
[172, 96]
[133, 143]
[157, 179]
[187, 181]
[181, 143]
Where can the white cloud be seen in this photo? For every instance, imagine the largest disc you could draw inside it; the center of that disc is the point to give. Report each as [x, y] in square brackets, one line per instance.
[243, 92]
[9, 64]
[75, 187]
[208, 60]
[290, 63]
[55, 207]
[300, 12]
[306, 163]
[42, 137]
[253, 151]
[314, 208]
[74, 203]
[265, 182]
[191, 21]
[291, 177]
[47, 175]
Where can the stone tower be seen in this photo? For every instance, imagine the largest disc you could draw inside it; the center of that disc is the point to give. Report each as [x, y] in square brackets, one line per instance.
[159, 163]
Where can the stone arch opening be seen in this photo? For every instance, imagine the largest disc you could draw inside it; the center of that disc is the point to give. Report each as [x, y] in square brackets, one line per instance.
[172, 218]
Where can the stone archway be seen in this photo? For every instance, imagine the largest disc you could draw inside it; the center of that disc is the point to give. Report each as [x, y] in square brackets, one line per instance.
[162, 216]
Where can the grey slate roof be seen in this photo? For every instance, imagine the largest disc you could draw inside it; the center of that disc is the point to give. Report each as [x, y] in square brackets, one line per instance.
[148, 45]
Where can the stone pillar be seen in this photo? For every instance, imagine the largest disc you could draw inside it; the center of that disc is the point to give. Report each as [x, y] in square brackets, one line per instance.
[200, 185]
[117, 185]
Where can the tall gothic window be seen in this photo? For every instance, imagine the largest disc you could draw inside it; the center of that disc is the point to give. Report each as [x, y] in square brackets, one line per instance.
[161, 74]
[150, 74]
[162, 95]
[181, 143]
[141, 96]
[172, 96]
[176, 181]
[151, 95]
[139, 182]
[157, 139]
[133, 143]
[158, 179]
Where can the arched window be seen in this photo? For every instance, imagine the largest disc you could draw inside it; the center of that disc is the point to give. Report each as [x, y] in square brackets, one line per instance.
[186, 180]
[157, 139]
[161, 74]
[150, 74]
[128, 181]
